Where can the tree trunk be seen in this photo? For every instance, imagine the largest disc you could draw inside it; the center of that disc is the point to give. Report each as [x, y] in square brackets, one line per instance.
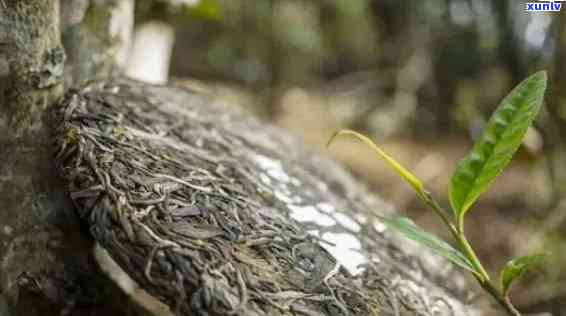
[556, 126]
[96, 36]
[46, 261]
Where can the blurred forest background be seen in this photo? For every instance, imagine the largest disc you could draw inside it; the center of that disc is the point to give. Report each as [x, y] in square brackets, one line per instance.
[419, 77]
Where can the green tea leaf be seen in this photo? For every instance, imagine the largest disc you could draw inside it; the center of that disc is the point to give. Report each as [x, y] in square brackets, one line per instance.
[502, 136]
[410, 230]
[516, 268]
[401, 171]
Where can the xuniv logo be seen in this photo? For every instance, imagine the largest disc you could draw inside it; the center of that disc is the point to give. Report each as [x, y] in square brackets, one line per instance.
[544, 6]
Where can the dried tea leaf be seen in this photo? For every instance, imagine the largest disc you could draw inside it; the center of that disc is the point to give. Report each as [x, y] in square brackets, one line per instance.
[197, 231]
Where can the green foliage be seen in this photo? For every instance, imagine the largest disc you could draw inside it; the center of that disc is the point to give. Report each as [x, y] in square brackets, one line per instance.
[516, 268]
[490, 155]
[501, 138]
[410, 230]
[397, 167]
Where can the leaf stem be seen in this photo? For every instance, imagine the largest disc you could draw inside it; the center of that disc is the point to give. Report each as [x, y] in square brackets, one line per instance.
[471, 255]
[438, 210]
[458, 234]
[509, 307]
[481, 274]
[502, 299]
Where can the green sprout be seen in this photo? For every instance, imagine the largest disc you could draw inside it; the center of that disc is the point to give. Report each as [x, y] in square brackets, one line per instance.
[491, 153]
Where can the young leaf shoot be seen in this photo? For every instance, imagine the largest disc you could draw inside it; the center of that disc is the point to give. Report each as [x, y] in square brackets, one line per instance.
[491, 153]
[405, 174]
[516, 268]
[494, 149]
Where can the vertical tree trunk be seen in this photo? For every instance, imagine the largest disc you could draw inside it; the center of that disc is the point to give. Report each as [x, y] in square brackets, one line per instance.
[46, 266]
[508, 43]
[556, 127]
[96, 36]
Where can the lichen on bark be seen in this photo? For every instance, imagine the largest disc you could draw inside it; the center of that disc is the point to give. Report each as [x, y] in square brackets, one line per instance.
[46, 265]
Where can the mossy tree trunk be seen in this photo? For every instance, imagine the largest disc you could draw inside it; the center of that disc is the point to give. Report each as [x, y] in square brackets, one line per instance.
[46, 262]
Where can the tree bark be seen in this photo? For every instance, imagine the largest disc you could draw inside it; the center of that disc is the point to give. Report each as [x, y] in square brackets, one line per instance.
[555, 129]
[46, 261]
[96, 36]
